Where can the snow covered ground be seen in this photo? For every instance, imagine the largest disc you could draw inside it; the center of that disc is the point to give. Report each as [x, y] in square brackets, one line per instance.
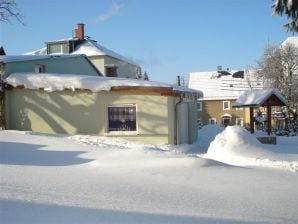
[90, 179]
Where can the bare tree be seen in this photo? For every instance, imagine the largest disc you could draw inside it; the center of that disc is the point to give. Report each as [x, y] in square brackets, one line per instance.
[279, 68]
[290, 8]
[8, 10]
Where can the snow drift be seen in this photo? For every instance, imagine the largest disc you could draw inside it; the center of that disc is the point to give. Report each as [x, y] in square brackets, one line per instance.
[236, 146]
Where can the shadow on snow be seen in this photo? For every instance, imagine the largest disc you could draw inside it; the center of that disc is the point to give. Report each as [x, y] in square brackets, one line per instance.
[43, 213]
[12, 153]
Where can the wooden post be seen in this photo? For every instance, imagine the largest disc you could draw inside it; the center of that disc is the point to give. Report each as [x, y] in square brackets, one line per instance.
[251, 117]
[269, 127]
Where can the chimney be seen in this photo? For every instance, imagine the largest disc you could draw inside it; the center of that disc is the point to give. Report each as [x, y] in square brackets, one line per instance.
[80, 31]
[2, 51]
[178, 80]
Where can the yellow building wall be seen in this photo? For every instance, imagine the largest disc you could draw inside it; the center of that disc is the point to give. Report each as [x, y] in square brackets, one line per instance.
[214, 109]
[70, 112]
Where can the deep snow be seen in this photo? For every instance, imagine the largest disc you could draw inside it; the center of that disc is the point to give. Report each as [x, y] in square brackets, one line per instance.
[90, 179]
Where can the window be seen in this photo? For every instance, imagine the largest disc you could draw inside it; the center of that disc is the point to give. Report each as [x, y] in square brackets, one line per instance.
[39, 68]
[226, 105]
[239, 121]
[212, 121]
[122, 117]
[58, 48]
[199, 105]
[111, 71]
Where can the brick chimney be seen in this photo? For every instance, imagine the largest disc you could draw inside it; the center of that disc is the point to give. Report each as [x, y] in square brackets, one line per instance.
[80, 31]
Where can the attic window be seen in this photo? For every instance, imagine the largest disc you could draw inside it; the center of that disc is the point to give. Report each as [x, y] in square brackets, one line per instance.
[38, 68]
[111, 71]
[58, 48]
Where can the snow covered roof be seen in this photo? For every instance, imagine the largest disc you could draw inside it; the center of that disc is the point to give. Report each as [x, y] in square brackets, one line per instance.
[15, 58]
[89, 48]
[41, 51]
[216, 86]
[92, 48]
[52, 82]
[253, 98]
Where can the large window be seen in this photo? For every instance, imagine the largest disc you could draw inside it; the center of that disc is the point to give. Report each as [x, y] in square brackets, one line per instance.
[122, 117]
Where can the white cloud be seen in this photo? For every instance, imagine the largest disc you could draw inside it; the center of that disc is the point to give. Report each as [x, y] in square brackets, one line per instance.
[113, 11]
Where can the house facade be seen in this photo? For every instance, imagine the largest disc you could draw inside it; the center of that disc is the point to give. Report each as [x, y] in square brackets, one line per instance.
[221, 88]
[62, 64]
[108, 62]
[135, 110]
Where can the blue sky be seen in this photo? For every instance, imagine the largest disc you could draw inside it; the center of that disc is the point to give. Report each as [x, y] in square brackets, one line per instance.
[166, 37]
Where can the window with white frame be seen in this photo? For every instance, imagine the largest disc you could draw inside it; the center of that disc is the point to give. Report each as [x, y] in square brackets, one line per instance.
[239, 121]
[59, 48]
[38, 68]
[212, 121]
[199, 105]
[122, 117]
[226, 105]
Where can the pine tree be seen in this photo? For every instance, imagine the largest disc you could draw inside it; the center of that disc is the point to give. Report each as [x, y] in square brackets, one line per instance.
[290, 8]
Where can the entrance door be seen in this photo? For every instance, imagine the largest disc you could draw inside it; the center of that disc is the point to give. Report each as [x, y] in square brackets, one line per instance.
[183, 115]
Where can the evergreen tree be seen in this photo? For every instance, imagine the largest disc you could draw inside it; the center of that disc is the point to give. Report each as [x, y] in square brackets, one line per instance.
[290, 8]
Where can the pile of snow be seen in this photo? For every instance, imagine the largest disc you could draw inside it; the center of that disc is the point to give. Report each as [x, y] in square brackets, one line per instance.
[236, 146]
[52, 82]
[206, 135]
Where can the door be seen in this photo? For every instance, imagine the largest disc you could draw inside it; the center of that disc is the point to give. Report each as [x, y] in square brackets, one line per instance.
[183, 124]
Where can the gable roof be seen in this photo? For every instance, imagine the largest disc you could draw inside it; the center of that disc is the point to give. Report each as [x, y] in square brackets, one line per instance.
[89, 48]
[218, 85]
[256, 98]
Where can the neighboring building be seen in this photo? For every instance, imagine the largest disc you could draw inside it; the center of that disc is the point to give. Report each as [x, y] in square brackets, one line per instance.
[70, 104]
[108, 62]
[63, 64]
[221, 89]
[291, 40]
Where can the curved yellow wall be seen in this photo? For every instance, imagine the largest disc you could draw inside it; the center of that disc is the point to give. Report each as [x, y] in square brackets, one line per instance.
[85, 113]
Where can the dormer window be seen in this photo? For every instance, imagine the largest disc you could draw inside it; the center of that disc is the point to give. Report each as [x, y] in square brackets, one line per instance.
[38, 68]
[58, 48]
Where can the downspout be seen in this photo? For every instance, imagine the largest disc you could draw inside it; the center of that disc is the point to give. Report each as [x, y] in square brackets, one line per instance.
[176, 119]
